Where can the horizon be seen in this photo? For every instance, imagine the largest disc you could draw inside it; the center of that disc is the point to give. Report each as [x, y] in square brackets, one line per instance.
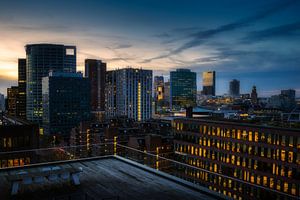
[255, 42]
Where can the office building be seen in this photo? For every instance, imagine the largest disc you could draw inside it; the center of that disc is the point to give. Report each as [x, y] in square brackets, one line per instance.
[2, 102]
[249, 161]
[95, 70]
[66, 102]
[129, 93]
[209, 83]
[40, 59]
[21, 106]
[234, 88]
[183, 88]
[12, 100]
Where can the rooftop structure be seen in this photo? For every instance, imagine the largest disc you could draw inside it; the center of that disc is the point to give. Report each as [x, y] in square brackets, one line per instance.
[106, 178]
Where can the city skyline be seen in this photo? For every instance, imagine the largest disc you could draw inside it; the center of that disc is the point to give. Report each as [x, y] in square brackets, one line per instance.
[237, 39]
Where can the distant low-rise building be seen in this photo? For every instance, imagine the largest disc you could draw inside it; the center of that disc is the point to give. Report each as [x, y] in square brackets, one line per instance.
[12, 100]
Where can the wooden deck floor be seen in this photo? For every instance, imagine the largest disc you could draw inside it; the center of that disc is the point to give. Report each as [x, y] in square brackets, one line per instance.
[105, 179]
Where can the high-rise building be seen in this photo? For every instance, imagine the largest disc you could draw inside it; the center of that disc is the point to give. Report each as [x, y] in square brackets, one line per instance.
[209, 83]
[21, 99]
[254, 99]
[158, 88]
[95, 70]
[2, 102]
[234, 88]
[246, 161]
[40, 59]
[128, 93]
[183, 88]
[12, 100]
[66, 102]
[167, 92]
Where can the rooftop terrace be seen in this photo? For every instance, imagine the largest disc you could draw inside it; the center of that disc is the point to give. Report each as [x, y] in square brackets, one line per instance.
[103, 178]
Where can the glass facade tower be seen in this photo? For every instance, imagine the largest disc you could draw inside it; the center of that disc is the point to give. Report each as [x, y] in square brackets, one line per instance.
[40, 59]
[183, 88]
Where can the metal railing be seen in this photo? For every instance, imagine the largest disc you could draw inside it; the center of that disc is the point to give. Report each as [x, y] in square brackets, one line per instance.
[156, 161]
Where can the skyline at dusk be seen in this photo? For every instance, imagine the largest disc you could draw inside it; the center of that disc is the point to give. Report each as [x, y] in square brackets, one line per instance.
[256, 42]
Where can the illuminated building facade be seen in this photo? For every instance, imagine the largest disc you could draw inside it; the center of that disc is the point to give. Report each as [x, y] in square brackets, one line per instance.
[40, 59]
[246, 161]
[209, 83]
[18, 138]
[129, 93]
[95, 70]
[183, 88]
[158, 88]
[21, 106]
[66, 102]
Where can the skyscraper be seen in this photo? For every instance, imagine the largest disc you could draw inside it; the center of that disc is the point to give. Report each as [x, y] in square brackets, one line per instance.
[209, 83]
[21, 99]
[254, 99]
[129, 93]
[95, 70]
[40, 59]
[234, 88]
[183, 88]
[66, 102]
[12, 94]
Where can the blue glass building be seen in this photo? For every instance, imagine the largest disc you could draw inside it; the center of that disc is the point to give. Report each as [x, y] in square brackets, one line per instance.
[40, 59]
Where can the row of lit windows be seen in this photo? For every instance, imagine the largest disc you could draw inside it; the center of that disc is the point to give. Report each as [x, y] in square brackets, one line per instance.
[14, 162]
[255, 136]
[272, 153]
[253, 178]
[271, 168]
[14, 142]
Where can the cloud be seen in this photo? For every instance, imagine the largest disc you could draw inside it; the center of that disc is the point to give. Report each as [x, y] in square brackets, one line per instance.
[6, 82]
[200, 37]
[285, 30]
[122, 46]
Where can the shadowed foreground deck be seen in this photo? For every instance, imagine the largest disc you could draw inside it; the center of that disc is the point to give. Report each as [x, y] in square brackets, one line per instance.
[107, 178]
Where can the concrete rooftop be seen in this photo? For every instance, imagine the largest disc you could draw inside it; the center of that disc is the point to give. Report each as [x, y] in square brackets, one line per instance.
[107, 178]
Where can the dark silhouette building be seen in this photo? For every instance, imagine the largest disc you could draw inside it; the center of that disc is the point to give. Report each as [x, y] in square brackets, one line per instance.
[234, 88]
[66, 102]
[254, 99]
[21, 99]
[95, 70]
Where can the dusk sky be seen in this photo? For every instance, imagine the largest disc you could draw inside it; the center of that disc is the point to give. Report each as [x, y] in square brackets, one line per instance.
[257, 42]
